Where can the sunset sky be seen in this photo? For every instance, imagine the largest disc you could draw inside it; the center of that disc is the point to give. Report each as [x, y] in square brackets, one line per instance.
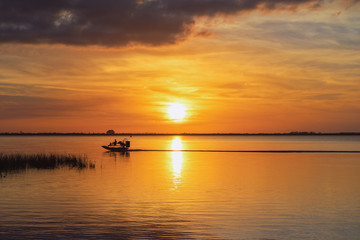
[232, 65]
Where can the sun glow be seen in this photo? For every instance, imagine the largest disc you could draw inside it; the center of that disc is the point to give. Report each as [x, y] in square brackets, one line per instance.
[176, 111]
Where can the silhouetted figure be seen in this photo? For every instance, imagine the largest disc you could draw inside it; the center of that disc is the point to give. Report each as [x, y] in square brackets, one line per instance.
[115, 142]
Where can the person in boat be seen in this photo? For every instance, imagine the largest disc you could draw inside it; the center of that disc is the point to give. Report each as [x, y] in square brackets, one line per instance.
[115, 142]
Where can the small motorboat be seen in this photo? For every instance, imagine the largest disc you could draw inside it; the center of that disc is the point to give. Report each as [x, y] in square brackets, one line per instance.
[118, 146]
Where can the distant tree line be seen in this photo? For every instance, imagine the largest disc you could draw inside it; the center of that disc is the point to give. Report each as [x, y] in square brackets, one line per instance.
[112, 132]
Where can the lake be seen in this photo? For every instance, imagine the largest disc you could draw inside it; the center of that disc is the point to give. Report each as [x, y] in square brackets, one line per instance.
[186, 195]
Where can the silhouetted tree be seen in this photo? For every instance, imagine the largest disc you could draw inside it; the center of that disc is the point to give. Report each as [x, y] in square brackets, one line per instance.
[110, 132]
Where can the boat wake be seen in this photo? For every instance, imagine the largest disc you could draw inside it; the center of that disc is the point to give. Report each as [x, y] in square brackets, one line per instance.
[244, 151]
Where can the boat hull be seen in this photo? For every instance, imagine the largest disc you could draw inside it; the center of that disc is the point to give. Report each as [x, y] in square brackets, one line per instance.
[116, 149]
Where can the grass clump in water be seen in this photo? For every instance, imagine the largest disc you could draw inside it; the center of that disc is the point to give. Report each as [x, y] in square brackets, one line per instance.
[22, 161]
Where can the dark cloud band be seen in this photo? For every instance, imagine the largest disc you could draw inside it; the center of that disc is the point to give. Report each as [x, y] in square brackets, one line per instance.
[116, 22]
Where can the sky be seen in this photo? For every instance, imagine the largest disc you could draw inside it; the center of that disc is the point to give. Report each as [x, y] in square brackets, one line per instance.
[240, 66]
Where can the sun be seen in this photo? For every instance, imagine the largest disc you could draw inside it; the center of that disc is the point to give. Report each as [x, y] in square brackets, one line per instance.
[176, 111]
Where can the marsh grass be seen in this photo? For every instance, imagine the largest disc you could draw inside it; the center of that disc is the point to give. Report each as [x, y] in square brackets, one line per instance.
[21, 161]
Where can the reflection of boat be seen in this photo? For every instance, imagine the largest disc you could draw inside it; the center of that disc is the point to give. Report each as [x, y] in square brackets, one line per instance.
[116, 155]
[118, 146]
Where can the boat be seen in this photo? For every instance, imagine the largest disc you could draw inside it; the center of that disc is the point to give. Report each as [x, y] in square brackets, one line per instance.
[118, 146]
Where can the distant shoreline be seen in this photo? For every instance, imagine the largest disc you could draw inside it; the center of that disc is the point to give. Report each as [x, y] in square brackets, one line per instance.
[182, 134]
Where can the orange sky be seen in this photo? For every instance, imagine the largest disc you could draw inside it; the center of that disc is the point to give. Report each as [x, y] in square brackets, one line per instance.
[291, 68]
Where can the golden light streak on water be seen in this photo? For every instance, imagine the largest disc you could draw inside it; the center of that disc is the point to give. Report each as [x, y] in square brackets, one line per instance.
[176, 144]
[177, 160]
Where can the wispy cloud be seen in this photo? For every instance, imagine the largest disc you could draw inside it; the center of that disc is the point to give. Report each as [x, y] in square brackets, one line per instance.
[310, 35]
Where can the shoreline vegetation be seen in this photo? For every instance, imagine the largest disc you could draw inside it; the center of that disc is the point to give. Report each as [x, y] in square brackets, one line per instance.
[15, 162]
[170, 134]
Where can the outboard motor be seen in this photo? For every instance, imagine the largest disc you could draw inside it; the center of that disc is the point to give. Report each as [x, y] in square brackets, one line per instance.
[127, 144]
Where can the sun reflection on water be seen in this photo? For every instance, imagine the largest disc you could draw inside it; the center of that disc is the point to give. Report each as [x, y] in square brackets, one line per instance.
[177, 160]
[176, 143]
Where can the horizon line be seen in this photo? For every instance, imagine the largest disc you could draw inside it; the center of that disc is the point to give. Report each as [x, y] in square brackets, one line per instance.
[184, 133]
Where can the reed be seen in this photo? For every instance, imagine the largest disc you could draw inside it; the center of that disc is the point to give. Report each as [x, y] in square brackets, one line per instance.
[22, 161]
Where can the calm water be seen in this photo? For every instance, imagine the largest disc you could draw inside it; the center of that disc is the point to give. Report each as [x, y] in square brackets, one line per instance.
[186, 195]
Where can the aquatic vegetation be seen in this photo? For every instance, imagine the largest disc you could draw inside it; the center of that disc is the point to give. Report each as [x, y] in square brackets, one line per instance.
[23, 161]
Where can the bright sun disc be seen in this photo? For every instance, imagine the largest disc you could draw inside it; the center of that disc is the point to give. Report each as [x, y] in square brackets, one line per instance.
[176, 111]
